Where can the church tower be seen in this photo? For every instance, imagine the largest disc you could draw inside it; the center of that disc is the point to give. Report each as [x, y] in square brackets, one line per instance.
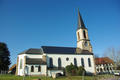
[83, 41]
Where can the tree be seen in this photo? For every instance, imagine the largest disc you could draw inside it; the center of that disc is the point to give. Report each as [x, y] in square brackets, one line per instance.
[72, 70]
[4, 57]
[114, 55]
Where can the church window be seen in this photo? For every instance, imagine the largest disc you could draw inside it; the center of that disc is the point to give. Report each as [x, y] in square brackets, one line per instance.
[78, 36]
[89, 62]
[84, 34]
[67, 59]
[39, 68]
[32, 68]
[82, 62]
[75, 61]
[59, 63]
[51, 63]
[21, 63]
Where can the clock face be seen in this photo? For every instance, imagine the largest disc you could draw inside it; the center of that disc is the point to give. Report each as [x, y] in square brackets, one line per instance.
[86, 44]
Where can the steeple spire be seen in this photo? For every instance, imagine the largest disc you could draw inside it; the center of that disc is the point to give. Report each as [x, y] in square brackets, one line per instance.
[80, 21]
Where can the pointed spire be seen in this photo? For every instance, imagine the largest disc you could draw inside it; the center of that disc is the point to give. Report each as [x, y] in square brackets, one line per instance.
[80, 21]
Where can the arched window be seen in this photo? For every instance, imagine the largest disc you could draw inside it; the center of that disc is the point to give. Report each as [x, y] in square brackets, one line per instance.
[59, 63]
[51, 63]
[84, 34]
[32, 68]
[20, 63]
[75, 61]
[78, 36]
[82, 62]
[39, 68]
[89, 62]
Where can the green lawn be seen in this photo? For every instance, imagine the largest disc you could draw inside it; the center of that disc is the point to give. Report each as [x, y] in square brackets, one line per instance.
[12, 77]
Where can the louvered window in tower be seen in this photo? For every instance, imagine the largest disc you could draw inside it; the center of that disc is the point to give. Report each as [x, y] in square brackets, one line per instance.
[84, 34]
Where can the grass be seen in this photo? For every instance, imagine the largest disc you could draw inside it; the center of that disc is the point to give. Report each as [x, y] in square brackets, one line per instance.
[13, 77]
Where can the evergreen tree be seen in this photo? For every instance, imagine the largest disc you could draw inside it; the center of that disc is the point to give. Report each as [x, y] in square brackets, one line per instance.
[4, 57]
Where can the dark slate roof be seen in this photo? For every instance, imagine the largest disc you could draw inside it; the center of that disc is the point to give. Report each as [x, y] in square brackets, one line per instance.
[64, 50]
[35, 61]
[31, 51]
[81, 24]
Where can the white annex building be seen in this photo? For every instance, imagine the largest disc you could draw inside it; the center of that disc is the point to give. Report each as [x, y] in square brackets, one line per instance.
[49, 60]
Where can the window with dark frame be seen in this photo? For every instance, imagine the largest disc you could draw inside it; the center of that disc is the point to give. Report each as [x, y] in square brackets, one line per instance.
[89, 62]
[32, 68]
[84, 34]
[59, 63]
[82, 62]
[75, 61]
[39, 68]
[51, 63]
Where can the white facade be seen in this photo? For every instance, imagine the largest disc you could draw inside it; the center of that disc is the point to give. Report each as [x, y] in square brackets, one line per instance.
[104, 68]
[23, 71]
[78, 57]
[58, 57]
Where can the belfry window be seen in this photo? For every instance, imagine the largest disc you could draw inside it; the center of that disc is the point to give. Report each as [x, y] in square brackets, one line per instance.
[89, 62]
[32, 68]
[82, 62]
[51, 63]
[84, 34]
[75, 61]
[59, 63]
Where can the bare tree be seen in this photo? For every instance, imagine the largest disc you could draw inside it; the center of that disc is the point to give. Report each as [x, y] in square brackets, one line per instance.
[113, 54]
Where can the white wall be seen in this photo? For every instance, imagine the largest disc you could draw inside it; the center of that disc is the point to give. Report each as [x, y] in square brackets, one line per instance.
[34, 56]
[64, 62]
[42, 72]
[21, 71]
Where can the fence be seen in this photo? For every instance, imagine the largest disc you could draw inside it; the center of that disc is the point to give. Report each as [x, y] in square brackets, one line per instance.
[3, 72]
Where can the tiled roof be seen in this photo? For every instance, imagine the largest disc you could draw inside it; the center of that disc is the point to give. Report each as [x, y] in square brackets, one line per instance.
[57, 50]
[64, 50]
[32, 51]
[103, 60]
[12, 67]
[35, 61]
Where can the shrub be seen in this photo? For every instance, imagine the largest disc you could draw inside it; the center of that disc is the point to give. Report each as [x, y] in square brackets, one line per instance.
[80, 71]
[72, 70]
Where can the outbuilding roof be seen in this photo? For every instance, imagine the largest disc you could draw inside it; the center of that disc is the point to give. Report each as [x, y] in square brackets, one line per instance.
[35, 61]
[103, 60]
[32, 51]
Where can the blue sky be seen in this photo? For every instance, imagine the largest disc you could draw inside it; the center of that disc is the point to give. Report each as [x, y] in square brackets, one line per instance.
[28, 24]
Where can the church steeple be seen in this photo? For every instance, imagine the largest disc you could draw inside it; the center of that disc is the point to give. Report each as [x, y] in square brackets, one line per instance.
[83, 41]
[80, 22]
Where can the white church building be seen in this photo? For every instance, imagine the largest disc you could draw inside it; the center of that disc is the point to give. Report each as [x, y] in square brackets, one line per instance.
[49, 60]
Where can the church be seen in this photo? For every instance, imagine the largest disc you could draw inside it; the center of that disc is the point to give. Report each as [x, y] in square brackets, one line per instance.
[51, 60]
